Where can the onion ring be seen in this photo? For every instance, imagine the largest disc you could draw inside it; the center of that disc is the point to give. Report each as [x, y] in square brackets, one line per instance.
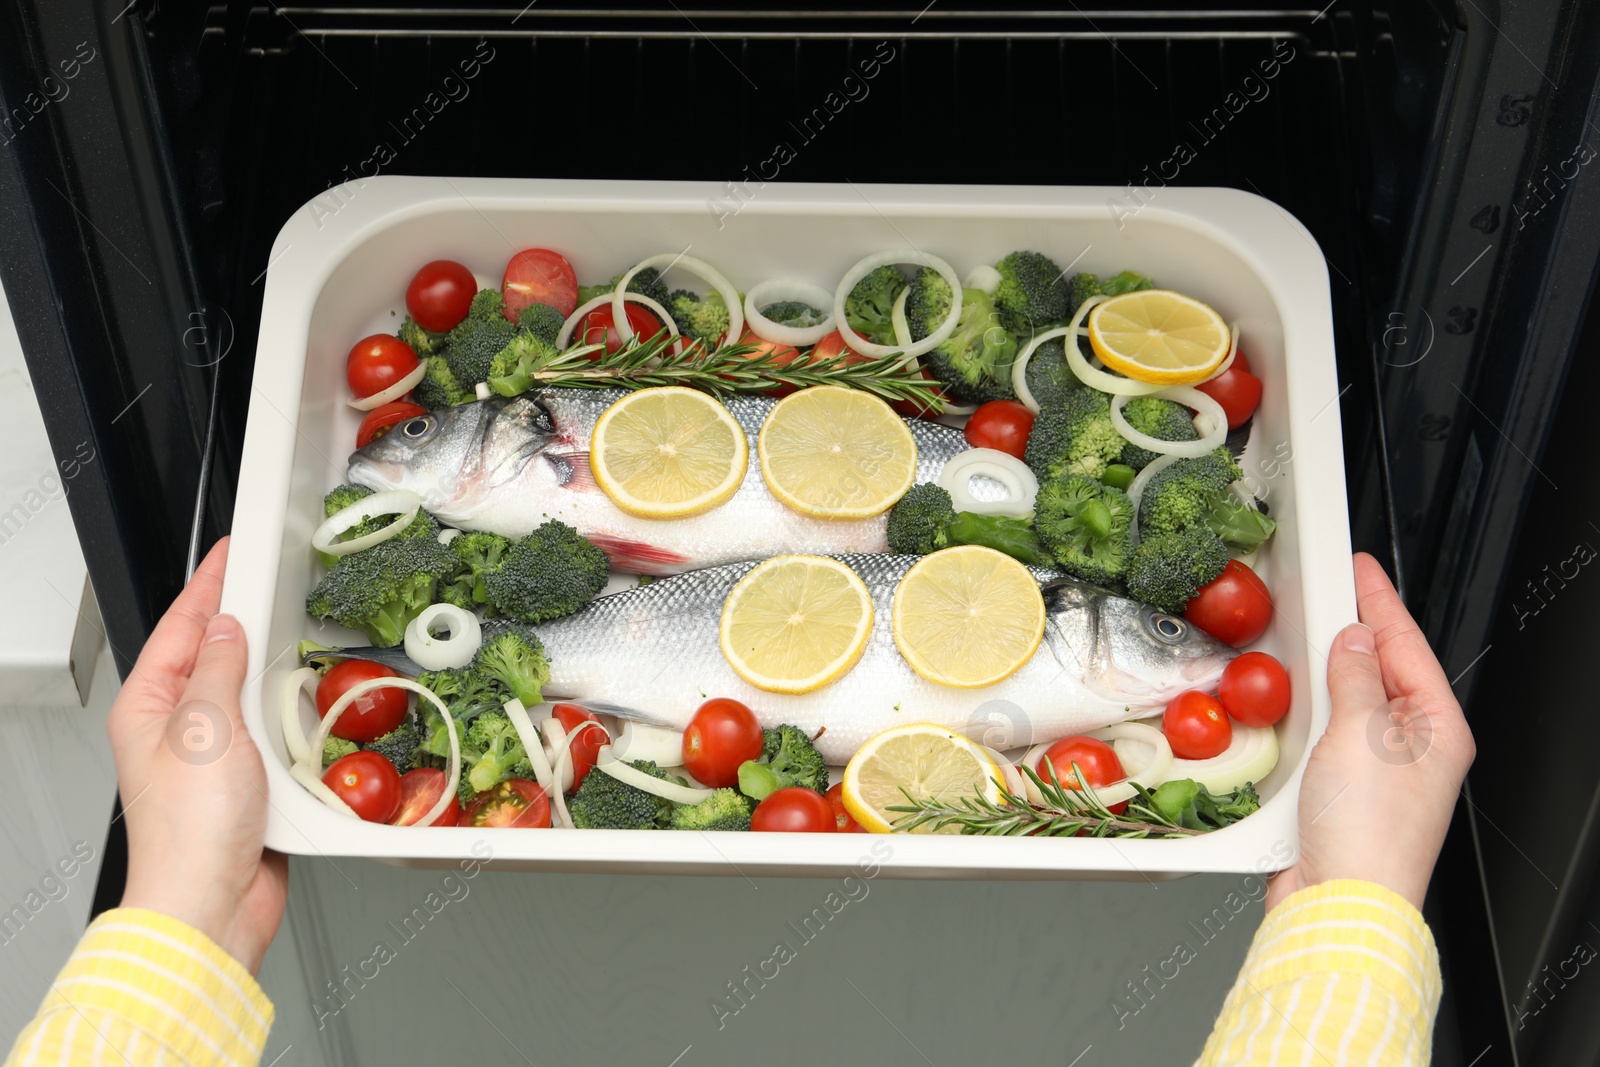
[890, 259]
[1250, 756]
[1150, 775]
[1189, 397]
[1103, 380]
[1020, 482]
[624, 772]
[441, 653]
[698, 267]
[564, 337]
[532, 744]
[452, 774]
[775, 289]
[902, 336]
[389, 502]
[637, 741]
[294, 738]
[1233, 350]
[563, 763]
[982, 277]
[393, 392]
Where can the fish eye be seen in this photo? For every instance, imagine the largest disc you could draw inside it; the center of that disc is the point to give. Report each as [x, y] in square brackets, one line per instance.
[541, 418]
[417, 427]
[1168, 627]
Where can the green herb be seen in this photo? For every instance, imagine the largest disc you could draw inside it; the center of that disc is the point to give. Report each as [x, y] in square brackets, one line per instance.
[1190, 804]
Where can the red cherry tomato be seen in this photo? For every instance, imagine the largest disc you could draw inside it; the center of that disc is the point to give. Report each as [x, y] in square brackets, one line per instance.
[723, 734]
[794, 810]
[843, 821]
[833, 344]
[1255, 689]
[585, 748]
[380, 420]
[515, 802]
[1241, 362]
[538, 276]
[440, 294]
[1196, 726]
[1097, 760]
[1235, 608]
[370, 715]
[1002, 425]
[419, 792]
[377, 362]
[367, 782]
[600, 324]
[782, 355]
[1237, 390]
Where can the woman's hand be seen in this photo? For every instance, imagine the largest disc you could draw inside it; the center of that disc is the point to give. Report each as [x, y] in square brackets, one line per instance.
[194, 793]
[1382, 782]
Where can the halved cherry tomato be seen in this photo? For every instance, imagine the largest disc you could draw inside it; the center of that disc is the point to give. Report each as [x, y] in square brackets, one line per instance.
[1255, 689]
[585, 748]
[722, 735]
[1235, 608]
[843, 821]
[1196, 726]
[370, 715]
[367, 782]
[601, 323]
[538, 276]
[1237, 390]
[794, 810]
[1097, 760]
[515, 802]
[440, 294]
[377, 362]
[380, 420]
[1002, 425]
[419, 792]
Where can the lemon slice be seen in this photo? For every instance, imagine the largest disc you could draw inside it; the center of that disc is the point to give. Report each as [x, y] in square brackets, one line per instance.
[836, 453]
[923, 759]
[968, 616]
[668, 453]
[796, 623]
[1156, 335]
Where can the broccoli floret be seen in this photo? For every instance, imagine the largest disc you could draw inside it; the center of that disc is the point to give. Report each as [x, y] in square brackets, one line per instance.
[647, 282]
[794, 313]
[471, 346]
[974, 362]
[925, 520]
[871, 303]
[440, 388]
[398, 746]
[423, 343]
[552, 572]
[541, 320]
[479, 553]
[1080, 288]
[787, 758]
[606, 803]
[1165, 420]
[496, 748]
[512, 369]
[1168, 569]
[1195, 492]
[1085, 525]
[336, 748]
[467, 694]
[379, 590]
[1076, 437]
[513, 655]
[1031, 292]
[342, 496]
[1083, 286]
[1049, 377]
[726, 809]
[700, 318]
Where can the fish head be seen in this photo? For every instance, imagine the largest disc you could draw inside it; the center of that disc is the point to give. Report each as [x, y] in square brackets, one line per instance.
[457, 458]
[1129, 652]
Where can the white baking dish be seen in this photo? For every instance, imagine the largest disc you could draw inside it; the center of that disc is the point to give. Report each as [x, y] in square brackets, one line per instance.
[338, 271]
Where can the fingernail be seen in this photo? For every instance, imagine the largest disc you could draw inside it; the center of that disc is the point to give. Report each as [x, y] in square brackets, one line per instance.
[1359, 638]
[221, 628]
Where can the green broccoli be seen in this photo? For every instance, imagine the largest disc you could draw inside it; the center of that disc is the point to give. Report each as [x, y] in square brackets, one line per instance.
[1085, 525]
[726, 809]
[1195, 492]
[496, 748]
[470, 347]
[379, 590]
[700, 318]
[1168, 569]
[423, 343]
[1049, 377]
[479, 553]
[794, 313]
[647, 282]
[512, 369]
[1075, 437]
[541, 320]
[871, 303]
[1083, 286]
[398, 746]
[606, 803]
[787, 758]
[467, 694]
[513, 655]
[974, 362]
[1165, 420]
[550, 573]
[925, 520]
[342, 496]
[1031, 292]
[335, 748]
[440, 388]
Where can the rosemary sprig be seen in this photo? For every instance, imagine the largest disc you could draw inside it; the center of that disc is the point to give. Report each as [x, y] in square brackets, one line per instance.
[1064, 813]
[737, 368]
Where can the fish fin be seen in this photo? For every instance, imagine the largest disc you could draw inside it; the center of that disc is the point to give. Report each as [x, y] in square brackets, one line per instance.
[636, 557]
[580, 476]
[643, 718]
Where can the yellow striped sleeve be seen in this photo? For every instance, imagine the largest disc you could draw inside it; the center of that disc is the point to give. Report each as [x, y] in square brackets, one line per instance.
[144, 988]
[1344, 972]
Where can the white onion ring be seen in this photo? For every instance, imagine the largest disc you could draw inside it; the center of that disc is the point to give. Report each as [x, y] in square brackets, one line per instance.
[1008, 470]
[448, 534]
[563, 763]
[656, 743]
[452, 774]
[1103, 380]
[891, 259]
[623, 772]
[1233, 350]
[902, 336]
[1016, 782]
[564, 337]
[1181, 394]
[554, 734]
[1250, 756]
[699, 267]
[1136, 491]
[294, 738]
[319, 789]
[776, 289]
[389, 502]
[482, 391]
[982, 277]
[1150, 775]
[394, 392]
[441, 653]
[532, 744]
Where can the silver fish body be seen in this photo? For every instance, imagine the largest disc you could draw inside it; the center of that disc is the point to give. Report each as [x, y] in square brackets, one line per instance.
[509, 465]
[653, 654]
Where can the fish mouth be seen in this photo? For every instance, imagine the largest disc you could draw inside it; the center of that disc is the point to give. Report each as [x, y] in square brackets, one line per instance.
[376, 474]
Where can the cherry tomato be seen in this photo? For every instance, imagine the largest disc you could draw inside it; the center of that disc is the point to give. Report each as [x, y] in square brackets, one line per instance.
[1002, 425]
[723, 734]
[782, 355]
[833, 344]
[843, 821]
[585, 748]
[1097, 760]
[1196, 726]
[515, 802]
[370, 715]
[380, 420]
[367, 782]
[1235, 608]
[539, 276]
[419, 792]
[1241, 362]
[377, 362]
[1237, 390]
[794, 810]
[1255, 689]
[440, 294]
[600, 324]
